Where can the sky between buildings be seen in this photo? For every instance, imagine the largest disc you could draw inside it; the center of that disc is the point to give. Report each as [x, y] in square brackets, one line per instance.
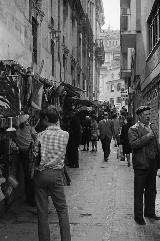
[112, 14]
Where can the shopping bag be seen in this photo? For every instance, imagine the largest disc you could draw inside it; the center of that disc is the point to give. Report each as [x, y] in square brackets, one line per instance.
[118, 153]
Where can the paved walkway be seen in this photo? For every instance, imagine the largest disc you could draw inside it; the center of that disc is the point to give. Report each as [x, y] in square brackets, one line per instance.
[100, 201]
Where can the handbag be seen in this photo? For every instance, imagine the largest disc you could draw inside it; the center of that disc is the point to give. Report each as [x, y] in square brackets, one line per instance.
[94, 137]
[121, 155]
[118, 153]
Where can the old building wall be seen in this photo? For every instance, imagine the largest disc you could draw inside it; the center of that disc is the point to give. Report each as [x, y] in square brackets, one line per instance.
[150, 68]
[110, 80]
[73, 31]
[15, 32]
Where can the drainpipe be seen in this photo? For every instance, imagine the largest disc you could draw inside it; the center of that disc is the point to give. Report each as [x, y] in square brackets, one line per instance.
[59, 39]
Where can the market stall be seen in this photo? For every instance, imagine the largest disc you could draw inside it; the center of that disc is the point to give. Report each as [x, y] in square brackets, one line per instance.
[11, 77]
[21, 92]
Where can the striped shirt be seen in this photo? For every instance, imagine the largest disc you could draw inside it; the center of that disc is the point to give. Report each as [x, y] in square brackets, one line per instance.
[53, 143]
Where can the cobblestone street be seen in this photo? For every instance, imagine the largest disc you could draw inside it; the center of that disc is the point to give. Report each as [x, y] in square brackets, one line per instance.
[100, 201]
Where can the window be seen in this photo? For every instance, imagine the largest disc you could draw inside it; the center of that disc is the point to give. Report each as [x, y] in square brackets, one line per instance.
[112, 101]
[35, 39]
[119, 86]
[78, 80]
[124, 22]
[52, 53]
[112, 88]
[118, 99]
[73, 76]
[112, 76]
[84, 84]
[64, 61]
[154, 27]
[65, 11]
[124, 19]
[30, 10]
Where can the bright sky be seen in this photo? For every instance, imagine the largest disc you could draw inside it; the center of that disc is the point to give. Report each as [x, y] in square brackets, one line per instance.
[112, 14]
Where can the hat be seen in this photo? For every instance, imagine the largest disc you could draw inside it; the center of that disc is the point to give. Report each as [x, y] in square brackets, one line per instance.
[23, 118]
[141, 109]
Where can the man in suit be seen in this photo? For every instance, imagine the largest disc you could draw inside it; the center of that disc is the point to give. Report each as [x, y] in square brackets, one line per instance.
[145, 149]
[106, 131]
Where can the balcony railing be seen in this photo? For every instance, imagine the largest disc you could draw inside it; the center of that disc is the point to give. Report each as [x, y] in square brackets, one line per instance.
[125, 22]
[99, 51]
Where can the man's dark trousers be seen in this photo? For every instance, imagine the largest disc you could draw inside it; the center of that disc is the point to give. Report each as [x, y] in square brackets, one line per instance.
[50, 182]
[106, 146]
[144, 184]
[23, 160]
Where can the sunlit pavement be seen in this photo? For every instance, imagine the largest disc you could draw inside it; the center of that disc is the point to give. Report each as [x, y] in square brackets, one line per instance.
[100, 201]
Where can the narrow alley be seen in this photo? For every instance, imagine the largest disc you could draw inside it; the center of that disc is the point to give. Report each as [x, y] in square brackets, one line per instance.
[100, 201]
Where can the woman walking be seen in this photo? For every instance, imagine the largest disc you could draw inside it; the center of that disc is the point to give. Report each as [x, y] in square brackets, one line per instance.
[125, 141]
[94, 133]
[86, 136]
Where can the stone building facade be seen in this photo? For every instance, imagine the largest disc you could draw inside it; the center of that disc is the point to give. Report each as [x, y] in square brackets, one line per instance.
[145, 58]
[56, 38]
[111, 83]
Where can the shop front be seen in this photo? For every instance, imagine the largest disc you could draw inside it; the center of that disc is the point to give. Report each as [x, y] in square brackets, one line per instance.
[21, 92]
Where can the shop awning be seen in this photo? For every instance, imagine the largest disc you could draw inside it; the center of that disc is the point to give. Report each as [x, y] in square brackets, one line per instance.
[83, 102]
[74, 88]
[46, 82]
[71, 90]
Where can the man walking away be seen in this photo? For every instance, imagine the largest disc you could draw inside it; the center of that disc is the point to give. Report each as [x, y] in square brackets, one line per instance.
[116, 125]
[106, 129]
[145, 149]
[49, 176]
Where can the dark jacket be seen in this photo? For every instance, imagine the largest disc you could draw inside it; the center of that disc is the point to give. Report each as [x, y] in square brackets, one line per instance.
[124, 138]
[106, 129]
[145, 150]
[75, 130]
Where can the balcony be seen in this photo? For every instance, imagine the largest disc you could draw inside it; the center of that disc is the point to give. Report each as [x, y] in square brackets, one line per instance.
[127, 41]
[86, 27]
[126, 63]
[99, 51]
[125, 73]
[125, 23]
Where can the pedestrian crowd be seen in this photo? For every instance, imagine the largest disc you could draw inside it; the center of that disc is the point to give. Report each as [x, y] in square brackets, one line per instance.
[55, 143]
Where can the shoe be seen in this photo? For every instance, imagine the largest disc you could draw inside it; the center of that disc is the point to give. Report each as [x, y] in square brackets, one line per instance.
[128, 164]
[106, 159]
[92, 150]
[140, 221]
[122, 159]
[84, 149]
[87, 149]
[67, 164]
[153, 216]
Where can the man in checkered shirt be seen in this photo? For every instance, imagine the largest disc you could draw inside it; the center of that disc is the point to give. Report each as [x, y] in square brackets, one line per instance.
[48, 176]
